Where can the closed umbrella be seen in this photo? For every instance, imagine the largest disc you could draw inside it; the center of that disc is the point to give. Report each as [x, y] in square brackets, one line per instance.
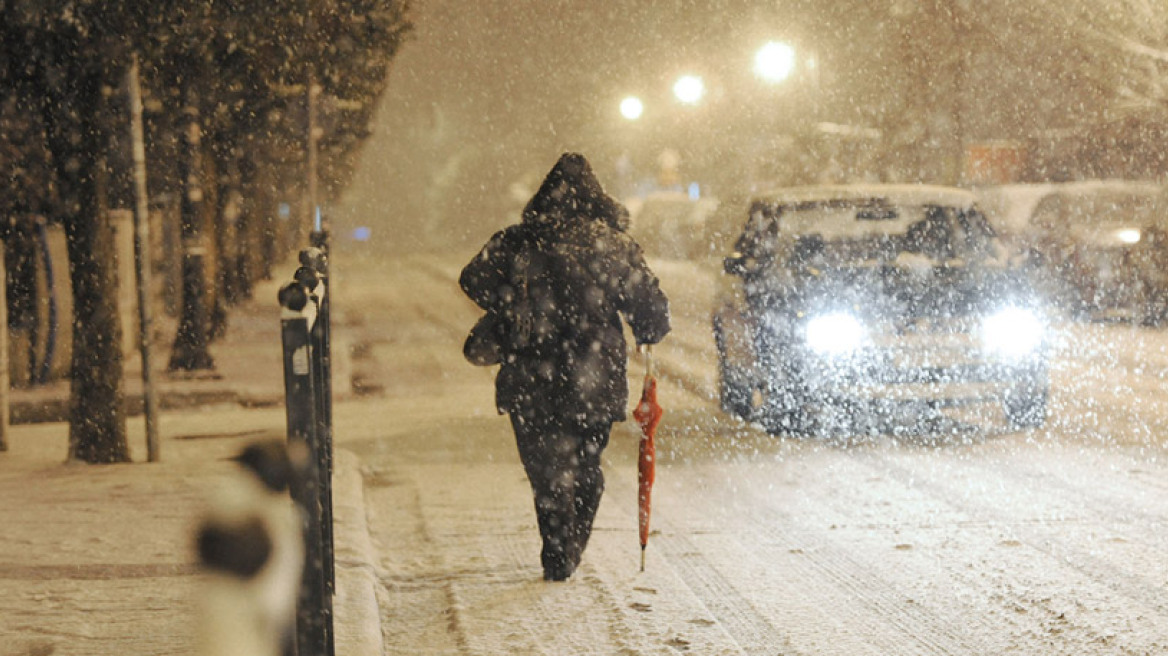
[648, 414]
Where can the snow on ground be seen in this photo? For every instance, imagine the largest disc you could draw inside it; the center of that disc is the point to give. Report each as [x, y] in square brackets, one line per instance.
[100, 560]
[974, 542]
[981, 541]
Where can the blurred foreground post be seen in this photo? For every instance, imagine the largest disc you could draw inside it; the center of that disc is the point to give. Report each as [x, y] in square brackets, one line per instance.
[308, 406]
[142, 264]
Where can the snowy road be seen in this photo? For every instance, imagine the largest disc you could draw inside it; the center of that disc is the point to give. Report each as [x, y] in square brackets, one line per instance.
[979, 541]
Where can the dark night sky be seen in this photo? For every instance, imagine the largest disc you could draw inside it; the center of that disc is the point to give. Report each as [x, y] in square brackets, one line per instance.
[488, 93]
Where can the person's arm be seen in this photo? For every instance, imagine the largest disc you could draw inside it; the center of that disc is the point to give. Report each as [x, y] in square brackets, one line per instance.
[484, 278]
[642, 302]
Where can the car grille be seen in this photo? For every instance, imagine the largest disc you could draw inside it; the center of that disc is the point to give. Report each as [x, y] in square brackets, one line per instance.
[927, 355]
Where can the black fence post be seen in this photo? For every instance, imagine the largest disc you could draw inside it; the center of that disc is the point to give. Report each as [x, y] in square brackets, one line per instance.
[316, 260]
[308, 401]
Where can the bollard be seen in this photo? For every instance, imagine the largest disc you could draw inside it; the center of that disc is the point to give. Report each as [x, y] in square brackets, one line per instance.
[314, 271]
[308, 400]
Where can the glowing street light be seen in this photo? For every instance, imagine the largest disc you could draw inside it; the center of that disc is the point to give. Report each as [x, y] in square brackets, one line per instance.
[774, 62]
[632, 108]
[689, 89]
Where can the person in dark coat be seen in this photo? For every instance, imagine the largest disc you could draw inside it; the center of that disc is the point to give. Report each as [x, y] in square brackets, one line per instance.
[554, 287]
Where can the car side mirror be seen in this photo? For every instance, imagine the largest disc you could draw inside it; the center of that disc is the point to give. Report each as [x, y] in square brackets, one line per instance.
[735, 265]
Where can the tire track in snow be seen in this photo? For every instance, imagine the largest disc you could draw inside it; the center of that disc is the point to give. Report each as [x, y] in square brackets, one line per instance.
[988, 579]
[1142, 580]
[1083, 570]
[752, 632]
[833, 588]
[1106, 497]
[946, 589]
[876, 603]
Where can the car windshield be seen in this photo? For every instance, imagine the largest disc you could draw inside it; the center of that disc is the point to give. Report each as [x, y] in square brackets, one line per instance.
[842, 233]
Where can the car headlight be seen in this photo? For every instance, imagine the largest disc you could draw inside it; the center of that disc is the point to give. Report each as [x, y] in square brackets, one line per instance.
[1013, 332]
[834, 334]
[1129, 235]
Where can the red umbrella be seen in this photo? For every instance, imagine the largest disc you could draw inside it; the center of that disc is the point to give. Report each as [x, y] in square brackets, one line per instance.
[648, 414]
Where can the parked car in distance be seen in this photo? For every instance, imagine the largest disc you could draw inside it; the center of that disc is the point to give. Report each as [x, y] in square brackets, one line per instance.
[672, 225]
[1098, 248]
[838, 298]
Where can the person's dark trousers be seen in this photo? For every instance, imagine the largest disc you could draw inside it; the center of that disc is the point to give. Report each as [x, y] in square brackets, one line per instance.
[562, 460]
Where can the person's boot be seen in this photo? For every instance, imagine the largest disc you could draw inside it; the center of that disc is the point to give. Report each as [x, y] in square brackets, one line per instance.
[556, 565]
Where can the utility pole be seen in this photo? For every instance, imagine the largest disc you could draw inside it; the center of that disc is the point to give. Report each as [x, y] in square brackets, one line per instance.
[142, 263]
[313, 90]
[313, 137]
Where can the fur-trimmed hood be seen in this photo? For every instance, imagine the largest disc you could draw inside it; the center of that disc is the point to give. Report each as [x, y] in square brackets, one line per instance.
[571, 189]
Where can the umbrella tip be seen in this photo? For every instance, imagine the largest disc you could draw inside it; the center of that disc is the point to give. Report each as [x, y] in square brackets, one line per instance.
[642, 557]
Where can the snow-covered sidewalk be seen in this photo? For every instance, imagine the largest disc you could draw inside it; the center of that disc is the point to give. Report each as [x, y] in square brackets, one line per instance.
[100, 560]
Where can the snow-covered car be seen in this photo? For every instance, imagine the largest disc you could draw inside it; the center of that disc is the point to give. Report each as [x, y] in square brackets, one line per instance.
[1098, 248]
[843, 300]
[672, 225]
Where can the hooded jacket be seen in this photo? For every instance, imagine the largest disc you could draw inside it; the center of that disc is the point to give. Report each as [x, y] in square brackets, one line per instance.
[560, 280]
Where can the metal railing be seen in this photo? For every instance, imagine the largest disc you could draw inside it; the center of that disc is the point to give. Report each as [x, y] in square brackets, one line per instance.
[304, 327]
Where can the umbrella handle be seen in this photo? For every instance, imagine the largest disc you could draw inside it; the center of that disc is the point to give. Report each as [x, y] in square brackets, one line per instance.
[647, 349]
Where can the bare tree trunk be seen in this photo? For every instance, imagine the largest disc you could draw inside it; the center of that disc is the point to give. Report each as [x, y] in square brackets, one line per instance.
[190, 343]
[213, 197]
[97, 420]
[224, 217]
[249, 229]
[77, 134]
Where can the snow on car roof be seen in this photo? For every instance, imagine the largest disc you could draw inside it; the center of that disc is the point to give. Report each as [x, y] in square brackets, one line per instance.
[894, 194]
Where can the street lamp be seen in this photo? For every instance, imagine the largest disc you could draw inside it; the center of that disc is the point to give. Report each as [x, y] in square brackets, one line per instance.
[689, 89]
[774, 62]
[632, 108]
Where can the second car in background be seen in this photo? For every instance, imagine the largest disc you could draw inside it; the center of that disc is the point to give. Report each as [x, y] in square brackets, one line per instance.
[1098, 248]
